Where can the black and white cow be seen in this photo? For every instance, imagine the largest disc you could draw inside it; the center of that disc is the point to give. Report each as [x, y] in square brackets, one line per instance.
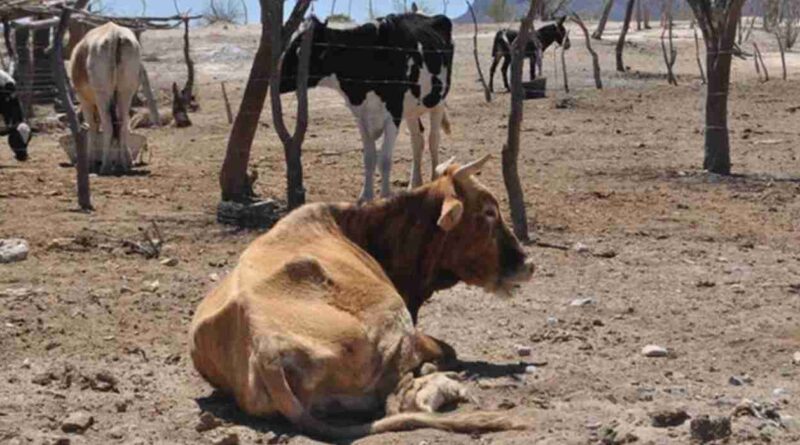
[18, 132]
[396, 68]
[501, 49]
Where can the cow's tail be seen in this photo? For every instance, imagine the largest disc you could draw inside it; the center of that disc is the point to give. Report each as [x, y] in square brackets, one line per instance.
[118, 43]
[468, 423]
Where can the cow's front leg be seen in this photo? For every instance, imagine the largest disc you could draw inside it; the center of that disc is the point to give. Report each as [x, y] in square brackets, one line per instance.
[368, 192]
[435, 137]
[417, 146]
[390, 131]
[433, 350]
[504, 70]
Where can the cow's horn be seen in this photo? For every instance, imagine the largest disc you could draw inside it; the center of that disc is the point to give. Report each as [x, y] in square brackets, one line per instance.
[471, 168]
[442, 168]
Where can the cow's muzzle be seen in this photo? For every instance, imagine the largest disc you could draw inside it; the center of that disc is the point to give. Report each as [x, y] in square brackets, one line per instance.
[20, 156]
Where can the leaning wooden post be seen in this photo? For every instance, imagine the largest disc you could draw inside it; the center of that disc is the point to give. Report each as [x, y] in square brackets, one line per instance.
[760, 59]
[148, 94]
[292, 143]
[621, 42]
[598, 82]
[188, 89]
[82, 163]
[227, 104]
[516, 198]
[487, 94]
[564, 67]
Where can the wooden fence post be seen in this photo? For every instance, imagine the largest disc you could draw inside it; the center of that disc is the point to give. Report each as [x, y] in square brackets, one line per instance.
[62, 82]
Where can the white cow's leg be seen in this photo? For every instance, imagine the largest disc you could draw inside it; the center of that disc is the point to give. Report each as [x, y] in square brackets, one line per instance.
[123, 107]
[417, 146]
[435, 136]
[103, 105]
[369, 161]
[389, 139]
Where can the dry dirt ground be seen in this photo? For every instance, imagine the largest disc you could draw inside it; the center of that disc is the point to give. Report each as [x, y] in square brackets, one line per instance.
[706, 266]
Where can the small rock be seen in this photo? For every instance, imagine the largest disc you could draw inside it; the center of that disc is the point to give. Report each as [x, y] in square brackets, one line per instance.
[610, 253]
[552, 321]
[77, 422]
[151, 286]
[739, 381]
[705, 429]
[17, 292]
[582, 302]
[13, 250]
[705, 283]
[796, 358]
[26, 364]
[665, 418]
[169, 262]
[779, 392]
[207, 422]
[580, 247]
[655, 351]
[43, 378]
[228, 439]
[530, 369]
[104, 382]
[122, 405]
[646, 394]
[116, 433]
[523, 351]
[213, 277]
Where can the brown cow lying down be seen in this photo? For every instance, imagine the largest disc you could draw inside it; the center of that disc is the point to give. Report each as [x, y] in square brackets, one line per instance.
[313, 320]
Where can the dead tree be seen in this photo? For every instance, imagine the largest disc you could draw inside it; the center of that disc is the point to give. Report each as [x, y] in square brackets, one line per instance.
[639, 15]
[516, 198]
[598, 82]
[697, 56]
[187, 93]
[669, 58]
[487, 93]
[647, 15]
[78, 134]
[717, 22]
[601, 25]
[759, 59]
[228, 111]
[564, 67]
[783, 54]
[233, 177]
[624, 33]
[292, 143]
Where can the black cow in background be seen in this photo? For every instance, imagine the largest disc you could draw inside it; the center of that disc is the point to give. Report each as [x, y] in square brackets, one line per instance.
[501, 49]
[18, 132]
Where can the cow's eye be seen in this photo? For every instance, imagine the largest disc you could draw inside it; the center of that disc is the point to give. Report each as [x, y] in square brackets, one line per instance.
[490, 213]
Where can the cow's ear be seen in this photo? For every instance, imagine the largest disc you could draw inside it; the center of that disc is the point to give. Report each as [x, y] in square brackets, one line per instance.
[452, 210]
[560, 21]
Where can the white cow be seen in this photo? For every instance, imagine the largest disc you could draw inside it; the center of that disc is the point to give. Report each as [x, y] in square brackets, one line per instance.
[105, 69]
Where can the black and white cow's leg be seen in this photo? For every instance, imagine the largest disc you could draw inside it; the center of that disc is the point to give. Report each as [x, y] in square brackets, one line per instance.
[532, 63]
[390, 130]
[417, 147]
[504, 70]
[435, 137]
[495, 62]
[368, 192]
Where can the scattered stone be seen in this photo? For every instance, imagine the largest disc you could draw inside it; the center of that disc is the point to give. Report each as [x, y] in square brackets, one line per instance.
[580, 247]
[151, 286]
[116, 433]
[17, 292]
[104, 382]
[228, 439]
[43, 379]
[169, 262]
[705, 429]
[610, 253]
[796, 358]
[646, 394]
[122, 405]
[739, 381]
[13, 250]
[523, 351]
[582, 302]
[552, 321]
[506, 405]
[705, 283]
[213, 277]
[664, 418]
[77, 422]
[780, 392]
[655, 351]
[530, 369]
[207, 422]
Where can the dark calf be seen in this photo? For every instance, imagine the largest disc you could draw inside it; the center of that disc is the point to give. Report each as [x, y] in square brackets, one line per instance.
[18, 132]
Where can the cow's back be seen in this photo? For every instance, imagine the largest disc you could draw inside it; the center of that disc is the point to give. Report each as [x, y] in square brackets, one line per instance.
[100, 55]
[306, 290]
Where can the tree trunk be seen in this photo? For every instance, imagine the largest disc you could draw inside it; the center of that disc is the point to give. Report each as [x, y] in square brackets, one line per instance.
[717, 144]
[697, 56]
[621, 42]
[233, 176]
[516, 198]
[783, 53]
[487, 94]
[639, 15]
[601, 26]
[24, 71]
[595, 60]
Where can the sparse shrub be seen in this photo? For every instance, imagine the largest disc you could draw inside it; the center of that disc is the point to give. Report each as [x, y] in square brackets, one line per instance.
[501, 11]
[340, 18]
[223, 11]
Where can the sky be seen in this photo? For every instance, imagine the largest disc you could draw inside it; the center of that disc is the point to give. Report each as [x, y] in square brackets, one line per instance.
[322, 8]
